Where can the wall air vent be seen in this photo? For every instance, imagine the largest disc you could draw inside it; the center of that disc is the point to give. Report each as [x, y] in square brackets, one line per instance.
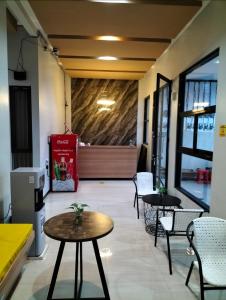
[20, 75]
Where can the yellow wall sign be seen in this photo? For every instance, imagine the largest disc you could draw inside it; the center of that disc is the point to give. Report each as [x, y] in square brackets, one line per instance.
[222, 131]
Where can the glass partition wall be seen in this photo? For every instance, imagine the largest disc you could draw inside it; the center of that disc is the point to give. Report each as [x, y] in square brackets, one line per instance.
[196, 125]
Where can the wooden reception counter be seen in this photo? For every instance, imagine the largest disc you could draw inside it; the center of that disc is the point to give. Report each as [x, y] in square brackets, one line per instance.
[107, 161]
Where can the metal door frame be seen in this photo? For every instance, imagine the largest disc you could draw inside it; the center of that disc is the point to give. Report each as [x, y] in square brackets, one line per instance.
[155, 125]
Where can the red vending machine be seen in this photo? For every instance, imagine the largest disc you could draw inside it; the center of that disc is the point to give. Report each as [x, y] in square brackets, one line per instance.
[64, 170]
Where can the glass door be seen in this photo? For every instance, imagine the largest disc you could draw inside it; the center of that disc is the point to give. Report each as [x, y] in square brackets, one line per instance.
[160, 130]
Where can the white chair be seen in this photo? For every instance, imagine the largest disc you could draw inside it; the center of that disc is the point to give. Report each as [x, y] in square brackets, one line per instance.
[144, 186]
[175, 225]
[210, 249]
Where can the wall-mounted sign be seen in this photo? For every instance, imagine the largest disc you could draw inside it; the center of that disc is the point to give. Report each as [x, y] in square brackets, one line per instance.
[222, 130]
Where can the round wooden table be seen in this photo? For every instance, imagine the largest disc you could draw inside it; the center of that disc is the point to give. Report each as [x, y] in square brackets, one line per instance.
[63, 228]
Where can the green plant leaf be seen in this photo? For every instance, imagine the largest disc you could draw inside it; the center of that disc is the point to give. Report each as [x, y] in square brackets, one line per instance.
[71, 207]
[78, 207]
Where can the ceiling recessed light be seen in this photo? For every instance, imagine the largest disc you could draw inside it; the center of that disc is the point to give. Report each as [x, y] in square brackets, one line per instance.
[217, 61]
[108, 38]
[112, 1]
[106, 102]
[104, 109]
[107, 57]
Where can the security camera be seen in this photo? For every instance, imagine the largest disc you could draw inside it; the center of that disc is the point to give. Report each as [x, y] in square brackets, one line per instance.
[55, 51]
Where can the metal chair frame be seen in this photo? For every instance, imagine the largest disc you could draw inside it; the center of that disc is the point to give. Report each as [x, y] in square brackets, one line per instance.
[203, 285]
[173, 232]
[137, 196]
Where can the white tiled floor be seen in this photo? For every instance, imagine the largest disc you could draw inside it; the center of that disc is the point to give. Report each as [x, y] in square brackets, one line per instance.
[136, 270]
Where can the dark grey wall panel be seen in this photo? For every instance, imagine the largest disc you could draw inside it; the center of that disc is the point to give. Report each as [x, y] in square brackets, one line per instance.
[115, 127]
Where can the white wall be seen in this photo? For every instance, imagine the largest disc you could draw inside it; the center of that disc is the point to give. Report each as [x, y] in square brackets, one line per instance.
[68, 100]
[30, 58]
[5, 157]
[144, 89]
[51, 102]
[218, 207]
[46, 79]
[205, 34]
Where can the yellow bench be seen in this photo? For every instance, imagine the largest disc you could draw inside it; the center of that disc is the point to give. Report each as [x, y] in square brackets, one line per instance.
[15, 241]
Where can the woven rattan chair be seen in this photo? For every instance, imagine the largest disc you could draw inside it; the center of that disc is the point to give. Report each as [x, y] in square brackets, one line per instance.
[175, 224]
[144, 186]
[210, 249]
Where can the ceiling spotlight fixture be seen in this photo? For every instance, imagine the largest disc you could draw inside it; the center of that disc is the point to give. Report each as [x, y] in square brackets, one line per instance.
[217, 61]
[55, 51]
[107, 57]
[107, 102]
[104, 108]
[108, 38]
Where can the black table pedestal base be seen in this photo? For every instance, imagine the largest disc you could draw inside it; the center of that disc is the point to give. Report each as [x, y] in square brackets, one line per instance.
[151, 204]
[79, 263]
[150, 220]
[150, 228]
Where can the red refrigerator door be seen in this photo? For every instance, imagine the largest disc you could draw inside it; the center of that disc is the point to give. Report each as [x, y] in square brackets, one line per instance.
[64, 175]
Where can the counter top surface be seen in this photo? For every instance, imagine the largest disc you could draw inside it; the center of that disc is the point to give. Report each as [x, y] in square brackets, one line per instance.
[107, 147]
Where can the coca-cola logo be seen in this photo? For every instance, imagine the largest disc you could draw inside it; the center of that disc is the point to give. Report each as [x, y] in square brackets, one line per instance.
[64, 142]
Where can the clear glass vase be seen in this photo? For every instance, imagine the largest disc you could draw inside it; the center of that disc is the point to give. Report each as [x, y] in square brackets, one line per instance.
[78, 219]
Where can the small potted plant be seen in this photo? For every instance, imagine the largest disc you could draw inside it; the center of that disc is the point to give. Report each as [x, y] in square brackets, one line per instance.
[162, 190]
[78, 210]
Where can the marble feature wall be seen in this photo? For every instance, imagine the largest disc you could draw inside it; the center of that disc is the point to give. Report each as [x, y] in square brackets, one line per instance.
[114, 127]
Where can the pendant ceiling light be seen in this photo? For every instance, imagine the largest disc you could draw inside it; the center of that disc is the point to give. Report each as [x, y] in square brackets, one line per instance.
[105, 101]
[104, 108]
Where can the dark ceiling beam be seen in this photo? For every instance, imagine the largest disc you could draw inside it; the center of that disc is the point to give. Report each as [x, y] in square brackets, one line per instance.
[158, 2]
[109, 71]
[96, 38]
[118, 58]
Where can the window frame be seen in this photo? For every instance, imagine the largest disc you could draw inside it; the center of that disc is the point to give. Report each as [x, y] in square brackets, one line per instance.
[146, 119]
[194, 151]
